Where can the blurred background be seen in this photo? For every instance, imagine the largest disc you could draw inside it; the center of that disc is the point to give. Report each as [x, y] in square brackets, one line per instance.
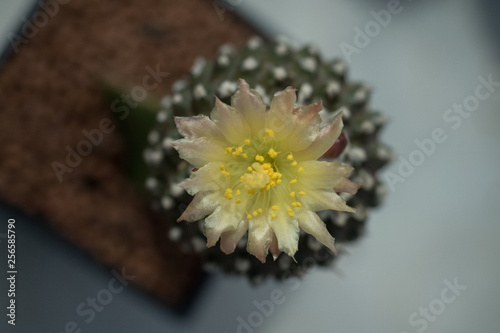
[429, 261]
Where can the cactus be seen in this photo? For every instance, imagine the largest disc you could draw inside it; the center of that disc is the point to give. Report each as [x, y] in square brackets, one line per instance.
[269, 67]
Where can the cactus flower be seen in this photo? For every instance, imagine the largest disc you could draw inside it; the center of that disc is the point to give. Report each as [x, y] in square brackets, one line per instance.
[257, 170]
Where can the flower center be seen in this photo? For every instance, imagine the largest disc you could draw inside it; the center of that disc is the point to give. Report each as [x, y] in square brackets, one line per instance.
[255, 166]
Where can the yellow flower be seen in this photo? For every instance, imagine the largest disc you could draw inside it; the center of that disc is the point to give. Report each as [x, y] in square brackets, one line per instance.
[258, 171]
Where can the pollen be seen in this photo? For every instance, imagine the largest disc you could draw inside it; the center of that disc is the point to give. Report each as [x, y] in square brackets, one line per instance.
[272, 153]
[273, 216]
[293, 181]
[247, 141]
[259, 210]
[225, 173]
[238, 192]
[249, 217]
[296, 204]
[289, 157]
[244, 155]
[290, 214]
[300, 169]
[259, 158]
[222, 167]
[238, 201]
[255, 213]
[294, 163]
[302, 193]
[292, 194]
[249, 169]
[229, 150]
[274, 208]
[269, 132]
[228, 194]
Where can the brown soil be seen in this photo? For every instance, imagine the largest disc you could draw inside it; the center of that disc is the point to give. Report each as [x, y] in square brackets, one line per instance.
[49, 93]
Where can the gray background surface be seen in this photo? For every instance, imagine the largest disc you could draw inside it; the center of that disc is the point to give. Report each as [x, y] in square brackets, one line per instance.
[441, 224]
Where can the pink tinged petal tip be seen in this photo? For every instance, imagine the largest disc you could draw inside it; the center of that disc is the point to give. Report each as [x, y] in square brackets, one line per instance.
[346, 185]
[324, 140]
[230, 122]
[260, 236]
[203, 203]
[197, 127]
[279, 117]
[229, 239]
[250, 104]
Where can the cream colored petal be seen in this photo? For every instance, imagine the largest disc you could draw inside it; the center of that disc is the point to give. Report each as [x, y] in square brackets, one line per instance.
[324, 140]
[206, 178]
[230, 122]
[225, 218]
[325, 175]
[250, 104]
[197, 127]
[316, 200]
[286, 230]
[203, 203]
[279, 117]
[304, 127]
[313, 225]
[229, 239]
[200, 151]
[260, 236]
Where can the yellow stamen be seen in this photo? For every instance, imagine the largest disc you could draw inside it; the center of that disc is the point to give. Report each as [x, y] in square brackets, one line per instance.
[259, 158]
[273, 216]
[274, 208]
[247, 141]
[292, 194]
[278, 181]
[249, 169]
[249, 217]
[228, 194]
[294, 163]
[300, 169]
[269, 132]
[272, 153]
[259, 210]
[291, 214]
[238, 201]
[225, 173]
[244, 155]
[238, 192]
[222, 167]
[289, 157]
[255, 213]
[228, 150]
[289, 210]
[302, 193]
[293, 181]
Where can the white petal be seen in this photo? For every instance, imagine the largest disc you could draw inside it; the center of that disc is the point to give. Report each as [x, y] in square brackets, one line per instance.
[206, 178]
[250, 104]
[229, 239]
[313, 225]
[279, 117]
[203, 203]
[316, 200]
[225, 218]
[200, 151]
[286, 230]
[324, 140]
[304, 127]
[197, 127]
[260, 236]
[346, 185]
[230, 122]
[326, 175]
